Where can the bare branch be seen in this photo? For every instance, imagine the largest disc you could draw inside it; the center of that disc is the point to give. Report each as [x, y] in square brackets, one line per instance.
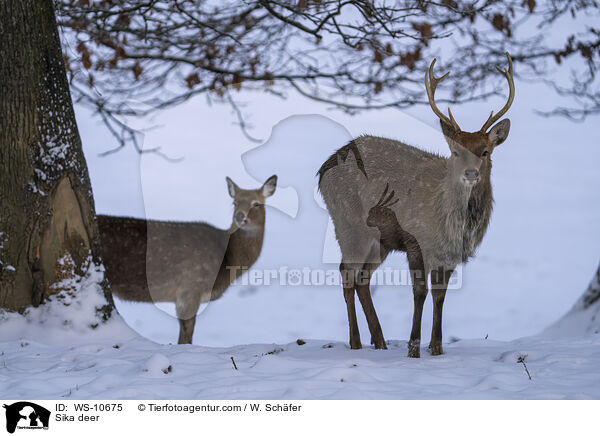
[350, 54]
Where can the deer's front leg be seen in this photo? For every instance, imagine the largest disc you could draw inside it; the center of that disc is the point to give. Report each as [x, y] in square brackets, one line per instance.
[419, 278]
[439, 285]
[414, 344]
[186, 307]
[186, 330]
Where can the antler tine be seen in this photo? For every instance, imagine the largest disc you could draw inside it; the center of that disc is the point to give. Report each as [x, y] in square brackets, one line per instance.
[431, 84]
[511, 96]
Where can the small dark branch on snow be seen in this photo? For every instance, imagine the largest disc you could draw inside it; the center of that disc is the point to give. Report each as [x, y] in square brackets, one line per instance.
[234, 365]
[521, 359]
[274, 351]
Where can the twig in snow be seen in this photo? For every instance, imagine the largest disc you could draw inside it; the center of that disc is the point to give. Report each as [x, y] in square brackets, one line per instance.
[234, 365]
[521, 359]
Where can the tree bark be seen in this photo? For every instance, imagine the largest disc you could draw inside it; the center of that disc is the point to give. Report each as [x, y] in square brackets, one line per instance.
[584, 315]
[592, 294]
[46, 203]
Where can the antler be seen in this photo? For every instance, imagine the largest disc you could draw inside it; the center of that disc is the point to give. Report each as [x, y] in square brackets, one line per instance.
[431, 84]
[511, 96]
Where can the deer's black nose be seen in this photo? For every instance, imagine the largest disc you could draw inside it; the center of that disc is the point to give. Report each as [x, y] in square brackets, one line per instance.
[471, 174]
[239, 217]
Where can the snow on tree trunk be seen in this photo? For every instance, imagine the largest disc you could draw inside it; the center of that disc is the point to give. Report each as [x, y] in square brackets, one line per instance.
[47, 218]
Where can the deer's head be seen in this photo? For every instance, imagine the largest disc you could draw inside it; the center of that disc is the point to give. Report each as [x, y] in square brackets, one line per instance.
[249, 204]
[471, 151]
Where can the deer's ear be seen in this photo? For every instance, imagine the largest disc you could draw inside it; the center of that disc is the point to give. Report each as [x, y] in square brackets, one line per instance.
[232, 188]
[268, 188]
[448, 132]
[499, 132]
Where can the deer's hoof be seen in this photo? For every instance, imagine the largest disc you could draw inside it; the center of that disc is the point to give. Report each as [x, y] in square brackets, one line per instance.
[355, 345]
[436, 349]
[414, 350]
[379, 344]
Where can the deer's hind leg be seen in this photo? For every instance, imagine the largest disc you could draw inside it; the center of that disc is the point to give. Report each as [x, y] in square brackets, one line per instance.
[364, 295]
[348, 274]
[376, 258]
[355, 247]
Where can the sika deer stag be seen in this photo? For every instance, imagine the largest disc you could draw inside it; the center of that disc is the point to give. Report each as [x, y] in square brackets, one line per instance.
[435, 209]
[187, 263]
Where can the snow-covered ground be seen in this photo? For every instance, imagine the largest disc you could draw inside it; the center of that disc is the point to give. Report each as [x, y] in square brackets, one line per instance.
[534, 263]
[138, 368]
[71, 361]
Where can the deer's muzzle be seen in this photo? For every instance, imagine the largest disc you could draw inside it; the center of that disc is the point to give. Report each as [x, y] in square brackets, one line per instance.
[240, 219]
[471, 175]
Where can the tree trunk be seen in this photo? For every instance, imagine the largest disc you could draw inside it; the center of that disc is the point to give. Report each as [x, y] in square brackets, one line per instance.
[584, 316]
[592, 294]
[47, 218]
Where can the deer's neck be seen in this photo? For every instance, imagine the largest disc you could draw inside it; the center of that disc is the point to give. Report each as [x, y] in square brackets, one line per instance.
[477, 217]
[245, 245]
[243, 249]
[465, 214]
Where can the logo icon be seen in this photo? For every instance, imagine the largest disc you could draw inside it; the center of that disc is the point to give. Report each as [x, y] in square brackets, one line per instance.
[26, 415]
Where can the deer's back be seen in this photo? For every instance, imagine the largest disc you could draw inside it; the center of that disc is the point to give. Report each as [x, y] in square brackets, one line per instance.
[150, 260]
[359, 171]
[354, 178]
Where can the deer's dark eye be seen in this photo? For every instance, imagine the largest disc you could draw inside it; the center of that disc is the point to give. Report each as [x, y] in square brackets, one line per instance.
[485, 153]
[255, 203]
[455, 153]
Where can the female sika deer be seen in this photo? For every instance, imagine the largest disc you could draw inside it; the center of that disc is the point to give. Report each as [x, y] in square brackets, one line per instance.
[437, 211]
[187, 263]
